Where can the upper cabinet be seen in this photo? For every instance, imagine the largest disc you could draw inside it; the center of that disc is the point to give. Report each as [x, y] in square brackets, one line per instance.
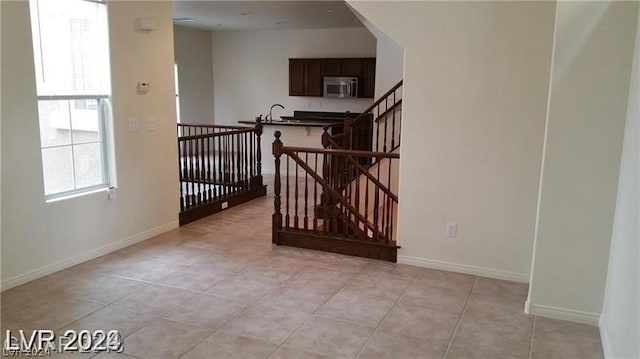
[305, 75]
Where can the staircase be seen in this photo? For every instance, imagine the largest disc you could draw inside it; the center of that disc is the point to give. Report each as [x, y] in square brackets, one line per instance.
[343, 197]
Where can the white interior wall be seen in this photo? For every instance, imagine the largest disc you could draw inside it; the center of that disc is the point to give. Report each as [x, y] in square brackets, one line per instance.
[38, 237]
[594, 44]
[192, 48]
[251, 70]
[389, 60]
[620, 321]
[476, 79]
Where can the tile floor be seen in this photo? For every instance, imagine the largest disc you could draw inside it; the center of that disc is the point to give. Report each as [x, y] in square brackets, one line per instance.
[218, 289]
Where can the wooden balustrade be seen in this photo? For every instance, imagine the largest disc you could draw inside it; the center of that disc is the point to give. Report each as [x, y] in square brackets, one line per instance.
[218, 164]
[380, 122]
[349, 186]
[307, 198]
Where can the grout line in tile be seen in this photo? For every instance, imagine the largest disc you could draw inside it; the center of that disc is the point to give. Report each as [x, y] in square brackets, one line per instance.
[455, 329]
[533, 333]
[314, 313]
[232, 319]
[385, 316]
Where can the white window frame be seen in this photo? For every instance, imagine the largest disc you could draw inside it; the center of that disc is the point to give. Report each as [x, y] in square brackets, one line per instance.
[105, 138]
[103, 105]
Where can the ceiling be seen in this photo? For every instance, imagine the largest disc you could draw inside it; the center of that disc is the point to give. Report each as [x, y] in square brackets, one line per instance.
[263, 15]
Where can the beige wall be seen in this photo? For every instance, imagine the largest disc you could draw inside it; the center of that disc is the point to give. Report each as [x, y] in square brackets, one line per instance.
[38, 237]
[593, 53]
[476, 79]
[192, 48]
[620, 321]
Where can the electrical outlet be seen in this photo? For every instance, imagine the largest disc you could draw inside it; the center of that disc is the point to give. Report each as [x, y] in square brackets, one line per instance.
[452, 229]
[225, 205]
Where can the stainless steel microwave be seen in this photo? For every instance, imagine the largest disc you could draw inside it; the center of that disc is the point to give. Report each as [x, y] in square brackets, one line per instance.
[340, 87]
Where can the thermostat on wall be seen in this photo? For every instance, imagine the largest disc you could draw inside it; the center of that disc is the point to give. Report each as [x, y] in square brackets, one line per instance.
[143, 87]
[144, 24]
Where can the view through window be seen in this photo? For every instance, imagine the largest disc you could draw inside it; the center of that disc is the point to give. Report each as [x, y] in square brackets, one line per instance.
[71, 53]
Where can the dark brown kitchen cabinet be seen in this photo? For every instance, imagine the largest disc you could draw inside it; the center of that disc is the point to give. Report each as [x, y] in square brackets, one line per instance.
[313, 77]
[306, 75]
[331, 67]
[368, 75]
[352, 67]
[296, 77]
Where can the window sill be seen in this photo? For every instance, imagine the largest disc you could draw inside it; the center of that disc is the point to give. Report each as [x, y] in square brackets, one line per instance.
[63, 197]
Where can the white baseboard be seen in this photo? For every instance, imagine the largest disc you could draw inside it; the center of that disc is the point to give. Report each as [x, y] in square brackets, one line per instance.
[97, 252]
[466, 269]
[605, 338]
[571, 315]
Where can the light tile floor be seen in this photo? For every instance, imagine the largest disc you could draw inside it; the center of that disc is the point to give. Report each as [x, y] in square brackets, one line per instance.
[218, 289]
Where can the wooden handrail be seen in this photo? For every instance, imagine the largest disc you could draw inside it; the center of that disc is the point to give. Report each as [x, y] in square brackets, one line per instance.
[340, 152]
[379, 101]
[365, 172]
[389, 110]
[211, 126]
[216, 134]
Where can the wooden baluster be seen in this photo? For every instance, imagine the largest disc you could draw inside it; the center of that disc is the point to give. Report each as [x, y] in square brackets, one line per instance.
[234, 160]
[376, 204]
[393, 123]
[225, 187]
[306, 192]
[246, 160]
[251, 158]
[366, 202]
[259, 152]
[219, 180]
[213, 169]
[346, 216]
[202, 170]
[276, 218]
[295, 199]
[315, 196]
[287, 201]
[239, 164]
[377, 123]
[181, 173]
[389, 201]
[208, 173]
[386, 115]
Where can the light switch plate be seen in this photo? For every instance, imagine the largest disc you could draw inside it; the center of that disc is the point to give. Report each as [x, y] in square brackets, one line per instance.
[152, 123]
[134, 124]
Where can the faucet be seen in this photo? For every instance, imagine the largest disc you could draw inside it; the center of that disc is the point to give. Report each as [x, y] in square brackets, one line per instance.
[269, 117]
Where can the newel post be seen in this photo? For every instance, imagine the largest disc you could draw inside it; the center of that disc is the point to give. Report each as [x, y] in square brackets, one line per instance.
[258, 150]
[277, 215]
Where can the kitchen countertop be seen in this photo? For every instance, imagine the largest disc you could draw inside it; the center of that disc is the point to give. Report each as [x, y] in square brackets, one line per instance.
[308, 119]
[292, 122]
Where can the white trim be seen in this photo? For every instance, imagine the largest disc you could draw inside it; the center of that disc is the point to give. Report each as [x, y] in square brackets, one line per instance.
[94, 253]
[571, 315]
[463, 268]
[604, 338]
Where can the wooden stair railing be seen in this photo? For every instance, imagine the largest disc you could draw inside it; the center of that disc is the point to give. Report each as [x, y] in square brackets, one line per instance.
[218, 164]
[354, 220]
[359, 134]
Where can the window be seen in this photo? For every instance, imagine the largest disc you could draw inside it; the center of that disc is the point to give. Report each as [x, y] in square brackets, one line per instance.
[71, 55]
